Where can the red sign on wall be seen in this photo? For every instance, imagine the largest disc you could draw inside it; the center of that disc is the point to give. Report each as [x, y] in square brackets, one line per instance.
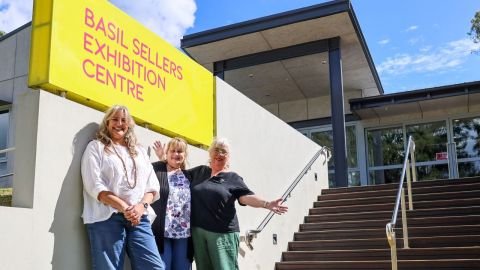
[441, 156]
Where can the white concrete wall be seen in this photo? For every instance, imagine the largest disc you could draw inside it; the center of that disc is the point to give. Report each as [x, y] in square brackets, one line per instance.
[269, 155]
[48, 232]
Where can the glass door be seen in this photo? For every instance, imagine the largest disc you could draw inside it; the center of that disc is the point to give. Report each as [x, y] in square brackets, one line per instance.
[466, 137]
[430, 149]
[324, 137]
[385, 154]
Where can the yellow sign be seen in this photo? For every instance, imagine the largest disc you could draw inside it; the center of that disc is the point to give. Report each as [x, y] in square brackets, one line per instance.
[100, 56]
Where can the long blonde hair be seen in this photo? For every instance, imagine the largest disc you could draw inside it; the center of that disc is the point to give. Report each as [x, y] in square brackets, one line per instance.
[104, 137]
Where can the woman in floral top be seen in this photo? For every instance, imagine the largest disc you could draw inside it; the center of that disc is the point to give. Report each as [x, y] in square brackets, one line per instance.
[172, 225]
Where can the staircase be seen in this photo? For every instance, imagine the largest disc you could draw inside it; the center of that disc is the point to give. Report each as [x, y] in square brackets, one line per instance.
[345, 229]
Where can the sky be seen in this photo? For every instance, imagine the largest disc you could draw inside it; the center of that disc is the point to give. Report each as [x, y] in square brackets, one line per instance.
[414, 44]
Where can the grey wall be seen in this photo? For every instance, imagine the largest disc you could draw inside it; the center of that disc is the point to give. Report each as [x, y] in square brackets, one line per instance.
[14, 59]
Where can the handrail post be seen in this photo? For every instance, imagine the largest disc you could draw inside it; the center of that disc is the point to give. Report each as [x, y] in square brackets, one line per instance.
[404, 221]
[414, 175]
[409, 176]
[392, 241]
[412, 157]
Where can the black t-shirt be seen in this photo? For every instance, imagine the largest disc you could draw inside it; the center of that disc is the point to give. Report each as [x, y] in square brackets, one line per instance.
[213, 199]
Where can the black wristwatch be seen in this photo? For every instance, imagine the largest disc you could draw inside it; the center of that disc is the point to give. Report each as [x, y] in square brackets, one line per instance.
[145, 205]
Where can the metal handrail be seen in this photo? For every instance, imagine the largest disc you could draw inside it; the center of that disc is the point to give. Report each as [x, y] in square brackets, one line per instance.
[251, 234]
[7, 150]
[409, 172]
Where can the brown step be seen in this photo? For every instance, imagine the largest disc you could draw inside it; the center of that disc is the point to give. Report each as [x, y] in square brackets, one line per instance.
[380, 232]
[341, 244]
[445, 241]
[340, 234]
[393, 192]
[380, 223]
[381, 243]
[453, 211]
[388, 199]
[451, 230]
[439, 264]
[395, 186]
[383, 254]
[389, 206]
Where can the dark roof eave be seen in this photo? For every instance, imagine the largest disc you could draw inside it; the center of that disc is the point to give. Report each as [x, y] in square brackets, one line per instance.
[264, 23]
[9, 34]
[415, 95]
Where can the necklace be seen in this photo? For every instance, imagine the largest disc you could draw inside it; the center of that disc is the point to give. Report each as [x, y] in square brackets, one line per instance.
[125, 169]
[171, 168]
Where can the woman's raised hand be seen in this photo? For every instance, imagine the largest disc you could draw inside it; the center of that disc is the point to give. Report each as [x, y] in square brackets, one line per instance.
[159, 149]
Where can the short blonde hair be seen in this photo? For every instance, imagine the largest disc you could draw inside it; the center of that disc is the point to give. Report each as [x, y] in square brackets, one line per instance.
[178, 143]
[104, 137]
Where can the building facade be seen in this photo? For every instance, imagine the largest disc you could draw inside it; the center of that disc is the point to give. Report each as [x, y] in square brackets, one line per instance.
[311, 68]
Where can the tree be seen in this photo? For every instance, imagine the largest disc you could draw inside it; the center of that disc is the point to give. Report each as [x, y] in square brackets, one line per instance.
[475, 29]
[2, 33]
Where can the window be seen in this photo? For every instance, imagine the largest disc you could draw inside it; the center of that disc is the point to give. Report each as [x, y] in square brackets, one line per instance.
[466, 136]
[4, 127]
[325, 138]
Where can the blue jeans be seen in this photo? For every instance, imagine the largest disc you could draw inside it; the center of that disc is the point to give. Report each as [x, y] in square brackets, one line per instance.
[175, 254]
[110, 239]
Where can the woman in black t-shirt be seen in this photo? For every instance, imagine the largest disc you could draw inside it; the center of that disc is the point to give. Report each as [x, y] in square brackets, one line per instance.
[214, 191]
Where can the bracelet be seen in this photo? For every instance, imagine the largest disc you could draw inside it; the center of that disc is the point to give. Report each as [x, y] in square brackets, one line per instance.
[265, 203]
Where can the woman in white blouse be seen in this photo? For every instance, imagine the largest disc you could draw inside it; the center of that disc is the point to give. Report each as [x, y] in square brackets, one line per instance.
[119, 185]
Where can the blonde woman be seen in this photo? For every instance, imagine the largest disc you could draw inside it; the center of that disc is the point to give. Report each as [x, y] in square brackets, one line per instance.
[172, 225]
[119, 184]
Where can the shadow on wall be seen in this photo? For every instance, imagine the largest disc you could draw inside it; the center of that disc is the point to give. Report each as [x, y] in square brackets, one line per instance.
[71, 247]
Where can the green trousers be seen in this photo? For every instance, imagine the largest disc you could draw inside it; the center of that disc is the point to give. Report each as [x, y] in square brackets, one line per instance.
[215, 251]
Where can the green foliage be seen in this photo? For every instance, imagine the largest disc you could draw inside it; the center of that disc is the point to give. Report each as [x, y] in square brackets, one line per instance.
[6, 196]
[2, 33]
[475, 29]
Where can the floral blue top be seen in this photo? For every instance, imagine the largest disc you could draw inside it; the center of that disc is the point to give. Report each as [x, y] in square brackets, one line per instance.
[177, 218]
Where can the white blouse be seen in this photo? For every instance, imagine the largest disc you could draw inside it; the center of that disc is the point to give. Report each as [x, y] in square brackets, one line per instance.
[103, 171]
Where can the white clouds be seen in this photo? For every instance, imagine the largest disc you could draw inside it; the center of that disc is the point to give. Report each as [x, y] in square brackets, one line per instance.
[414, 40]
[14, 13]
[411, 28]
[449, 56]
[168, 18]
[384, 41]
[426, 48]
